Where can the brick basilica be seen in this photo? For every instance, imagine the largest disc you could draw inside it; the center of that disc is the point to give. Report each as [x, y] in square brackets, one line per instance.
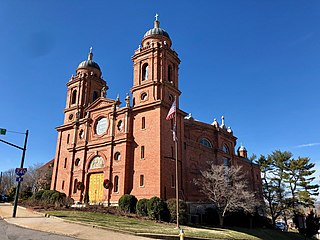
[106, 148]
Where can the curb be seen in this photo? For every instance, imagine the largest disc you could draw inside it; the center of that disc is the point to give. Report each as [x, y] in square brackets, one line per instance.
[149, 235]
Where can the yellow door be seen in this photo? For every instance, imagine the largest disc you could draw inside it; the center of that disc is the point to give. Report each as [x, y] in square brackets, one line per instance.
[96, 188]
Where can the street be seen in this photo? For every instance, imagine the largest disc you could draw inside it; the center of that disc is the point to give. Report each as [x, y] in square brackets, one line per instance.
[12, 232]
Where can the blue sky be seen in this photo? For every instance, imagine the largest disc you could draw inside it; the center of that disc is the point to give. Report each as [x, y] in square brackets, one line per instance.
[255, 62]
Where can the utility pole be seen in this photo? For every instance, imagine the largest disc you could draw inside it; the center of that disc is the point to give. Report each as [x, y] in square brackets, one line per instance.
[3, 131]
[21, 166]
[1, 182]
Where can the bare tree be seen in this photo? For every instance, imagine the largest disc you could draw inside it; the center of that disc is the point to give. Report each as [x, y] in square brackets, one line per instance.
[8, 181]
[227, 188]
[38, 177]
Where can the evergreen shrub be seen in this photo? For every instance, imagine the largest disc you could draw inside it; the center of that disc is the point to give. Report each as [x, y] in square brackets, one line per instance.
[183, 214]
[127, 203]
[157, 209]
[142, 207]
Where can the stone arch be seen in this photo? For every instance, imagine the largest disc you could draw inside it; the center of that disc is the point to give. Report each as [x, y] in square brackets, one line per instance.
[92, 157]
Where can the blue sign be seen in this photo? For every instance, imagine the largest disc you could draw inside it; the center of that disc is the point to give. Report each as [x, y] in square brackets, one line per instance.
[21, 171]
[19, 179]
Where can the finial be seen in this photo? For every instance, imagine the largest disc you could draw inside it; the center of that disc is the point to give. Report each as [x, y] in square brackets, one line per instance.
[222, 123]
[215, 123]
[103, 91]
[90, 55]
[156, 22]
[118, 98]
[127, 100]
[189, 116]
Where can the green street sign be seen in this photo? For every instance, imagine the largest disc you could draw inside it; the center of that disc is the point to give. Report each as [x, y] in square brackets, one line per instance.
[3, 131]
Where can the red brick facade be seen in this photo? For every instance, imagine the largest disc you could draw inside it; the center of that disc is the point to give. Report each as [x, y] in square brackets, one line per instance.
[131, 144]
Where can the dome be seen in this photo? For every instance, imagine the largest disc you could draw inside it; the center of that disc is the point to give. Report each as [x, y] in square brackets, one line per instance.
[242, 148]
[156, 30]
[89, 62]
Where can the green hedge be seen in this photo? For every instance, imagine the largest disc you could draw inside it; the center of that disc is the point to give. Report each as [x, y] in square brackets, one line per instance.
[142, 207]
[127, 203]
[183, 214]
[157, 209]
[57, 197]
[47, 195]
[38, 195]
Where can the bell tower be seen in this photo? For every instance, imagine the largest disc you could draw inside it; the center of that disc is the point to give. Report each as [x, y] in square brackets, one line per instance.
[83, 89]
[155, 87]
[155, 68]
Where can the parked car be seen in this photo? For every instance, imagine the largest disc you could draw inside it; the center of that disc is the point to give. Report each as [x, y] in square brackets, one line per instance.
[281, 226]
[4, 198]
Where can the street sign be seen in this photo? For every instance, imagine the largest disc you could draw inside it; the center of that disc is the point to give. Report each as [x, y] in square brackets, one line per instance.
[3, 131]
[19, 179]
[21, 171]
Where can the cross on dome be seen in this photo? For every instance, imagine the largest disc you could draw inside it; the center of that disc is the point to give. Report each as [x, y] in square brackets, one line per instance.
[90, 55]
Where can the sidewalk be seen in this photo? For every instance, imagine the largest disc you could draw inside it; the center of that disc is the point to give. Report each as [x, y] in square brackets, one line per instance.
[37, 221]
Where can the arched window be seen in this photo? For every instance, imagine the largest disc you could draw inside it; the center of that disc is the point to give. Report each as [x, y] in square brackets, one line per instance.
[143, 123]
[205, 142]
[226, 162]
[75, 185]
[145, 69]
[81, 134]
[120, 125]
[225, 149]
[97, 162]
[170, 78]
[116, 184]
[141, 180]
[95, 96]
[77, 162]
[144, 96]
[117, 156]
[74, 97]
[142, 152]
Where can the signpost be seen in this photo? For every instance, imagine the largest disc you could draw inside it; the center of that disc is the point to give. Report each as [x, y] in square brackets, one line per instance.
[19, 179]
[19, 171]
[3, 131]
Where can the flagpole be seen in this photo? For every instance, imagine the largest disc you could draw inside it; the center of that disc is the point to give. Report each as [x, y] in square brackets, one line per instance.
[176, 149]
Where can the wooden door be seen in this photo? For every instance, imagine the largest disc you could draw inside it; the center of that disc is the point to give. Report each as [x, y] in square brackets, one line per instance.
[96, 187]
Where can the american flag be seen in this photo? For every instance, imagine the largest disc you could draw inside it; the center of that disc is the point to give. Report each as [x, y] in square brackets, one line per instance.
[172, 111]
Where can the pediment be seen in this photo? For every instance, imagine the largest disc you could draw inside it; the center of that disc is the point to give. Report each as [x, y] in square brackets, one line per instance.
[100, 103]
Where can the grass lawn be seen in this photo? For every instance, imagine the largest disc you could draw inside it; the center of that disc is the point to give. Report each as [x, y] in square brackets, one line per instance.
[135, 225]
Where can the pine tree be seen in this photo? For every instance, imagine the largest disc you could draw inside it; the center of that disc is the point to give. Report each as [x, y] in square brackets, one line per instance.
[299, 177]
[272, 171]
[287, 183]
